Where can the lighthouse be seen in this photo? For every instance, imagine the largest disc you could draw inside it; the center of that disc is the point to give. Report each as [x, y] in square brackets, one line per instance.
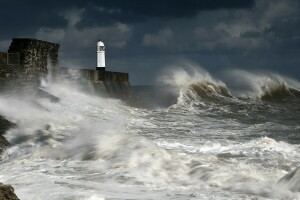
[100, 55]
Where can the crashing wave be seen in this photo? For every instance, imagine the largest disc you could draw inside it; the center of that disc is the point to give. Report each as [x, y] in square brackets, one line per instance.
[264, 86]
[278, 91]
[196, 85]
[203, 91]
[207, 90]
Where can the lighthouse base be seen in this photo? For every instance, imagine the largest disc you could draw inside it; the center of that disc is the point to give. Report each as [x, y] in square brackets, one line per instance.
[100, 68]
[115, 84]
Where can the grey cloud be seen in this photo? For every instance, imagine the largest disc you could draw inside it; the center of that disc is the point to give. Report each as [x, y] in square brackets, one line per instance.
[251, 34]
[162, 38]
[116, 35]
[78, 45]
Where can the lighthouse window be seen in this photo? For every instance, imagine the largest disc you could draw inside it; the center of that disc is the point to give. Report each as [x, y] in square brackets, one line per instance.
[101, 48]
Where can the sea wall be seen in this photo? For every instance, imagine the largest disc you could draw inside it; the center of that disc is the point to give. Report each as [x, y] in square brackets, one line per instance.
[3, 58]
[113, 84]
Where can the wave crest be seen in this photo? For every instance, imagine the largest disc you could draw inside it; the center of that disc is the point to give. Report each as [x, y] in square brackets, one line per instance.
[207, 90]
[195, 84]
[278, 91]
[265, 86]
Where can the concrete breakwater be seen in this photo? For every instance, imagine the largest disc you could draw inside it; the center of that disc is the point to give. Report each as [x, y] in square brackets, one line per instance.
[113, 84]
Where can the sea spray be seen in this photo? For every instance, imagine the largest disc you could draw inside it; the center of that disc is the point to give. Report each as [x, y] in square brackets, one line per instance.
[262, 85]
[194, 84]
[92, 147]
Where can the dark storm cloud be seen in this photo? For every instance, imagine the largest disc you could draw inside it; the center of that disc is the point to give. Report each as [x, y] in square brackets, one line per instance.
[173, 8]
[144, 36]
[288, 28]
[103, 12]
[33, 14]
[285, 36]
[25, 17]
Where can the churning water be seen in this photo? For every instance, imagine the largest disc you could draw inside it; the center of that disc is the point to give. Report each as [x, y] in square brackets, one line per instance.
[212, 143]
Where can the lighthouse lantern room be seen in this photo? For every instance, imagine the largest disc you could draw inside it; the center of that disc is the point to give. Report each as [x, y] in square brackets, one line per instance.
[100, 55]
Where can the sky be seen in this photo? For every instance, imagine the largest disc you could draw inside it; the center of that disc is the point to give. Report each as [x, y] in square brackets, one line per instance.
[144, 37]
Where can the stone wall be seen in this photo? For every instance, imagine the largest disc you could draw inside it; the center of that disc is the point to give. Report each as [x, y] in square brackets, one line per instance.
[26, 63]
[3, 58]
[34, 52]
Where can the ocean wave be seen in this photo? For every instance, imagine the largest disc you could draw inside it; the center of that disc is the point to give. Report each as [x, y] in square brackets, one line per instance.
[90, 142]
[278, 91]
[209, 90]
[265, 86]
[194, 85]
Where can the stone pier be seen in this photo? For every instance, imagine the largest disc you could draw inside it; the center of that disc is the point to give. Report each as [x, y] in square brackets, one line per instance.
[114, 84]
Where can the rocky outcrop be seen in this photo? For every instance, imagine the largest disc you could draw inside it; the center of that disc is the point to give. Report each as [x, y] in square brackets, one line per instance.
[7, 192]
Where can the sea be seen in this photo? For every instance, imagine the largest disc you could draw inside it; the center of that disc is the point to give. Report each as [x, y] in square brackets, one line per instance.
[194, 136]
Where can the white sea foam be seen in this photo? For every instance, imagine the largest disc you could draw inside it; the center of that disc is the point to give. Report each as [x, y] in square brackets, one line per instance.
[87, 147]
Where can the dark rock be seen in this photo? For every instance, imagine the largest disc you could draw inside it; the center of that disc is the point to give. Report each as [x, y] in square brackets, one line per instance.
[4, 126]
[7, 193]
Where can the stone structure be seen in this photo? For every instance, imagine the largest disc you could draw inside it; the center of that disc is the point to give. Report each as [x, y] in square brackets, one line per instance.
[25, 64]
[114, 84]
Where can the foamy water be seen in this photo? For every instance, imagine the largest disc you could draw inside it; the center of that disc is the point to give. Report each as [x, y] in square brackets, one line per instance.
[209, 145]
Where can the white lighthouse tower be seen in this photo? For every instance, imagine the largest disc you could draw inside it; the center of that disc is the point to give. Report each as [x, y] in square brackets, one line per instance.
[100, 56]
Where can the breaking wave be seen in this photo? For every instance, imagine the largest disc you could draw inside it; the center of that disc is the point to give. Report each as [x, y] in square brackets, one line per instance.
[208, 90]
[264, 86]
[195, 84]
[278, 91]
